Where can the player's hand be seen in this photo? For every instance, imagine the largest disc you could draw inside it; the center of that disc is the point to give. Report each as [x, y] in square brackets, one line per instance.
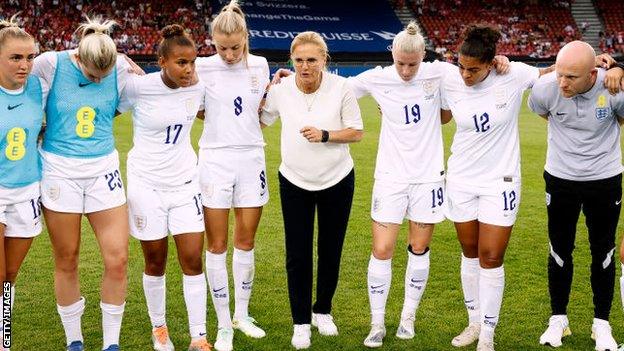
[501, 64]
[312, 134]
[281, 73]
[604, 61]
[614, 80]
[134, 68]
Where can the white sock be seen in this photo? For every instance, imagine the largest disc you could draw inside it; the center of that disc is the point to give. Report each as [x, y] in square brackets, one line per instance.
[379, 279]
[194, 287]
[491, 287]
[470, 286]
[70, 317]
[216, 271]
[111, 323]
[155, 289]
[622, 285]
[243, 272]
[416, 275]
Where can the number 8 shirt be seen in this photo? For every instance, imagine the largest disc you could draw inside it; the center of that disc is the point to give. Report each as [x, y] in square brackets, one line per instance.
[483, 175]
[231, 156]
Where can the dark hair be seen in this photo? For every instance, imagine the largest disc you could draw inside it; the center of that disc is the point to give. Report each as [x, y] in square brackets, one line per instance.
[172, 35]
[480, 42]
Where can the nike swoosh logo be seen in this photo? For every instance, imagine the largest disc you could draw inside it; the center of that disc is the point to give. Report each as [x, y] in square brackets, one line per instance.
[377, 287]
[82, 85]
[247, 283]
[617, 203]
[489, 317]
[468, 301]
[217, 290]
[561, 113]
[417, 280]
[14, 106]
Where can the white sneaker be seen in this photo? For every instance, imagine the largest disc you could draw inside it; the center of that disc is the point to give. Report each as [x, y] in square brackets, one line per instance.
[485, 345]
[301, 336]
[224, 339]
[248, 326]
[325, 324]
[405, 330]
[161, 340]
[558, 327]
[376, 335]
[468, 336]
[601, 333]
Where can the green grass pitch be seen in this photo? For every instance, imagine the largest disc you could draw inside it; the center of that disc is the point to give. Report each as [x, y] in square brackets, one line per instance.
[525, 311]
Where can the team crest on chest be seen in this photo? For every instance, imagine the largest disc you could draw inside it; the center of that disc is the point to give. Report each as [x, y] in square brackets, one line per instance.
[190, 108]
[429, 87]
[602, 109]
[254, 82]
[500, 98]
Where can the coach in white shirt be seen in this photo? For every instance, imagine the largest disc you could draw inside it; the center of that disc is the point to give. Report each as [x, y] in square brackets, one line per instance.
[320, 115]
[583, 172]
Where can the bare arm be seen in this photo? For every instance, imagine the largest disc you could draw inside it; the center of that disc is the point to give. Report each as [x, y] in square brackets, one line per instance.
[546, 70]
[347, 135]
[446, 116]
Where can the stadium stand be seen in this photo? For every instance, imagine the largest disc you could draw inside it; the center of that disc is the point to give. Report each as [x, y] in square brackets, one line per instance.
[139, 22]
[612, 14]
[530, 28]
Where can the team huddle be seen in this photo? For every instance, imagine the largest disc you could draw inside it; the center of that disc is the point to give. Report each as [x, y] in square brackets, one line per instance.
[67, 167]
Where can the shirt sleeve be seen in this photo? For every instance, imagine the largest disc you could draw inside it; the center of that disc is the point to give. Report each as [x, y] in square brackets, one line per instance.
[446, 70]
[128, 97]
[270, 110]
[536, 100]
[524, 74]
[44, 67]
[360, 84]
[350, 112]
[123, 73]
[45, 90]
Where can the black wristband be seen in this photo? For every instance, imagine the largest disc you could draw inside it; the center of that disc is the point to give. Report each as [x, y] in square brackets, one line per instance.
[325, 136]
[619, 64]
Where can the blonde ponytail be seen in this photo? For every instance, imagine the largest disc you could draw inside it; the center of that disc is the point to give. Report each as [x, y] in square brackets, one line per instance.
[409, 40]
[231, 20]
[96, 47]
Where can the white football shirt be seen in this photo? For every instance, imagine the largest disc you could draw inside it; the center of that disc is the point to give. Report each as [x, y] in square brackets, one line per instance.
[233, 96]
[410, 142]
[486, 145]
[162, 155]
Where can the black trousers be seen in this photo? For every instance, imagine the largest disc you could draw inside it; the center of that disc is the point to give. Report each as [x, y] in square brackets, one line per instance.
[298, 208]
[600, 201]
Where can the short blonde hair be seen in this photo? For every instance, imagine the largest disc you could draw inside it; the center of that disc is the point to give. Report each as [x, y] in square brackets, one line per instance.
[10, 29]
[409, 40]
[310, 37]
[96, 47]
[231, 20]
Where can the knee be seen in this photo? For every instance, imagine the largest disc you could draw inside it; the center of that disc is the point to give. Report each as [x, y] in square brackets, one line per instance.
[116, 264]
[67, 261]
[383, 252]
[470, 250]
[245, 244]
[217, 246]
[11, 275]
[418, 247]
[155, 267]
[191, 264]
[490, 260]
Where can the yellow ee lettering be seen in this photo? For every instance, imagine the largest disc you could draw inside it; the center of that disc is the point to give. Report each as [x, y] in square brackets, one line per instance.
[15, 149]
[85, 117]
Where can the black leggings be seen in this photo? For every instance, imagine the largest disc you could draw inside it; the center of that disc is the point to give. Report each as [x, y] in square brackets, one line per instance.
[298, 208]
[600, 201]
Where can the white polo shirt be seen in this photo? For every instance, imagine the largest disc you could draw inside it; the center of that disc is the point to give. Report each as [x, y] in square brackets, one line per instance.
[313, 166]
[410, 141]
[583, 131]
